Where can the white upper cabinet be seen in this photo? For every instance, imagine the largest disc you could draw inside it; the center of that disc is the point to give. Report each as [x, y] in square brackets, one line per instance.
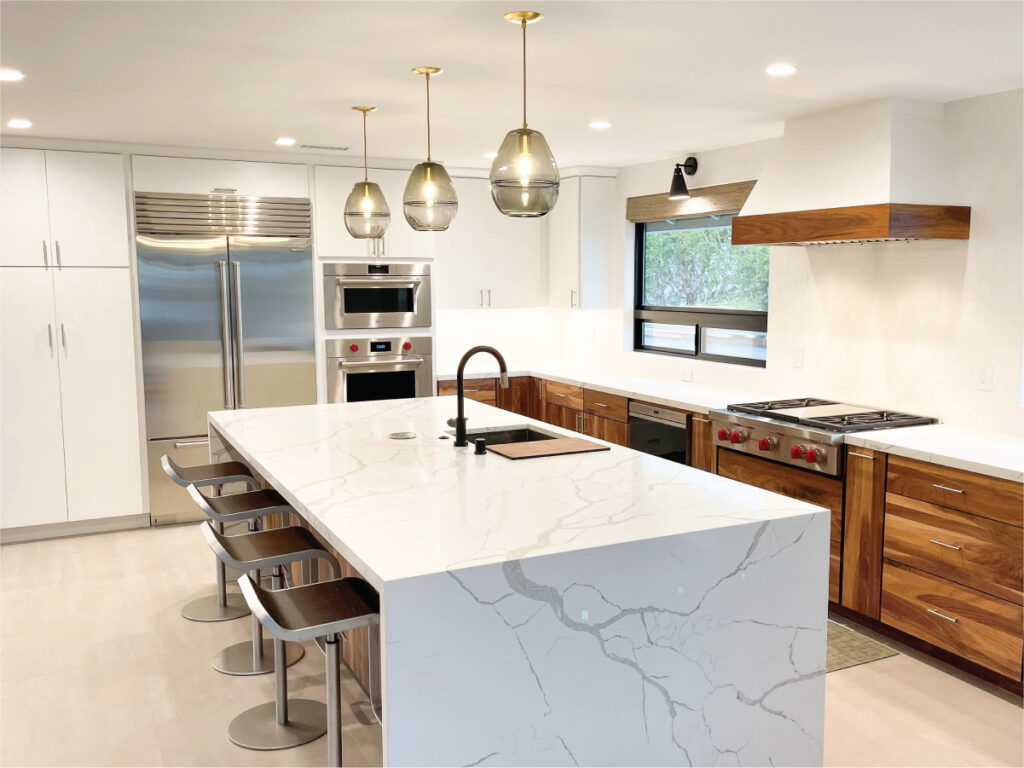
[31, 442]
[196, 176]
[25, 235]
[401, 241]
[580, 238]
[486, 259]
[88, 209]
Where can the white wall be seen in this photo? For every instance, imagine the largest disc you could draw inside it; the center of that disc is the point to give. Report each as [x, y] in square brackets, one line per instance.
[894, 325]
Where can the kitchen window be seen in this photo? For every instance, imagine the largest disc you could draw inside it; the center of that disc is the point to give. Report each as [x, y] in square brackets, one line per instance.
[697, 294]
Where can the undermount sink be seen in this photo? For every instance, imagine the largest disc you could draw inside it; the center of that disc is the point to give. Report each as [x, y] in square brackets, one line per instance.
[503, 435]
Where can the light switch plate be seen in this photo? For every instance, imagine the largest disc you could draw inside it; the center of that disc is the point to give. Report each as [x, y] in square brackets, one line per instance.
[686, 375]
[983, 375]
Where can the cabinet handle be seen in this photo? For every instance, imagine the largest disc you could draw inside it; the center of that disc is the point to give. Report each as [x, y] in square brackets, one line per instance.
[63, 339]
[601, 405]
[383, 247]
[579, 422]
[481, 297]
[488, 297]
[559, 394]
[703, 421]
[860, 455]
[944, 544]
[49, 334]
[56, 248]
[190, 443]
[572, 297]
[941, 615]
[239, 335]
[946, 488]
[46, 261]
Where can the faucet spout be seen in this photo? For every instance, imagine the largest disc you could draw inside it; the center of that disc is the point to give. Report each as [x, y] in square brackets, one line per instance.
[460, 420]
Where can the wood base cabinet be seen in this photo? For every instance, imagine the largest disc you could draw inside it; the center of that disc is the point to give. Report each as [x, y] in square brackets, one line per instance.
[864, 522]
[481, 390]
[703, 451]
[518, 395]
[609, 430]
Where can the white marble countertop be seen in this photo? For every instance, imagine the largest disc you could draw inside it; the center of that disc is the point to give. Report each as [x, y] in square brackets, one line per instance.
[690, 397]
[988, 453]
[404, 508]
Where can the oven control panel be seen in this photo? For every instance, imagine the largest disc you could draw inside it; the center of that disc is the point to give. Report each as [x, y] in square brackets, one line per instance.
[814, 451]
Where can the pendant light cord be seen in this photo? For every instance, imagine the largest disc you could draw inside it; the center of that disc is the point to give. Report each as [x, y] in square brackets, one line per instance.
[524, 74]
[428, 116]
[366, 171]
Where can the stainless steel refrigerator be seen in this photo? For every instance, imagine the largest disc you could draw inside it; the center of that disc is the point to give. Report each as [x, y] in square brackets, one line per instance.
[227, 322]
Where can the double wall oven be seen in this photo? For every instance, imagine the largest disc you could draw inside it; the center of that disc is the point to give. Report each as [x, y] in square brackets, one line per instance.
[376, 295]
[378, 368]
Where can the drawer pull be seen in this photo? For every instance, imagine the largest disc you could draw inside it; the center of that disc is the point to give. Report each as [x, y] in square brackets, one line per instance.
[860, 455]
[941, 615]
[600, 405]
[703, 421]
[944, 544]
[947, 488]
[559, 394]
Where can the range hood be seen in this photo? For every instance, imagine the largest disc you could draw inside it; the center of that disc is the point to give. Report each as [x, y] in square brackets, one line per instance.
[871, 172]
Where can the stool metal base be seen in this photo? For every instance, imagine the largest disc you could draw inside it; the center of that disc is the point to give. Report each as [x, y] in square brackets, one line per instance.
[237, 659]
[207, 608]
[257, 728]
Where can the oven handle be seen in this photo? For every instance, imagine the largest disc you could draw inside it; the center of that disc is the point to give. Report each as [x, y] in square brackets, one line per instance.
[667, 422]
[392, 361]
[379, 282]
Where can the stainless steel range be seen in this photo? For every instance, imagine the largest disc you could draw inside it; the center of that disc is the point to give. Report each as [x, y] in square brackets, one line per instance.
[804, 432]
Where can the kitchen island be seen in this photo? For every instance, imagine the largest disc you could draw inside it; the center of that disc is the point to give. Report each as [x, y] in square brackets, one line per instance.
[605, 608]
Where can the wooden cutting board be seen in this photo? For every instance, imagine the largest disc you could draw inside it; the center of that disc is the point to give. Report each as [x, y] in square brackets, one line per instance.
[558, 446]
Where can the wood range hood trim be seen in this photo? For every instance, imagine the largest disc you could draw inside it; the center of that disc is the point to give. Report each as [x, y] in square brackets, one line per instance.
[856, 223]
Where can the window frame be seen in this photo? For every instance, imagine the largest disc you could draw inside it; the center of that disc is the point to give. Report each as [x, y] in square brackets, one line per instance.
[699, 317]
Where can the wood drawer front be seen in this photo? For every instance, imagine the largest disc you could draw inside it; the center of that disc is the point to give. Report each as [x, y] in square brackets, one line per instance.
[789, 481]
[606, 406]
[990, 497]
[834, 559]
[474, 389]
[988, 557]
[565, 395]
[986, 630]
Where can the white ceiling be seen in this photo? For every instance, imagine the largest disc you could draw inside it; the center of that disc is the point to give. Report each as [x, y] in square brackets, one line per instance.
[671, 77]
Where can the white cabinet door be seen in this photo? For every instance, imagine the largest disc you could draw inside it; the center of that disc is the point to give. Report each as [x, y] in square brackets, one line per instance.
[196, 176]
[401, 241]
[564, 246]
[98, 392]
[88, 209]
[486, 251]
[24, 217]
[332, 186]
[599, 223]
[31, 443]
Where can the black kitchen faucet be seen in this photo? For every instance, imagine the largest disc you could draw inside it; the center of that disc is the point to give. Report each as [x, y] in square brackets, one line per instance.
[460, 420]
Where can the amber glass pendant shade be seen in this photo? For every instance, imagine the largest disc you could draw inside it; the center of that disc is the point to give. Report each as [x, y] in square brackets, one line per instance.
[366, 211]
[429, 202]
[524, 176]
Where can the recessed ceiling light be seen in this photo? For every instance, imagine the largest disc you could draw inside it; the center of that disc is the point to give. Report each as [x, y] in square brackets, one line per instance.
[11, 75]
[19, 122]
[490, 155]
[780, 70]
[285, 141]
[600, 125]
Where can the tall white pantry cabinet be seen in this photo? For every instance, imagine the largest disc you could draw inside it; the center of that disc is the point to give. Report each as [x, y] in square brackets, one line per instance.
[69, 410]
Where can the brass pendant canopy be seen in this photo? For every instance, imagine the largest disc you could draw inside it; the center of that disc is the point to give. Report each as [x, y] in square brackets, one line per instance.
[429, 202]
[366, 211]
[524, 176]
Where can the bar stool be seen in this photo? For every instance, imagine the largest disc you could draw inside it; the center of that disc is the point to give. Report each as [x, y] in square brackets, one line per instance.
[221, 606]
[322, 610]
[254, 552]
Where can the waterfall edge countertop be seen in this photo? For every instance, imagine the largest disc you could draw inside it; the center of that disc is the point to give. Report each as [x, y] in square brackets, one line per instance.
[403, 508]
[607, 608]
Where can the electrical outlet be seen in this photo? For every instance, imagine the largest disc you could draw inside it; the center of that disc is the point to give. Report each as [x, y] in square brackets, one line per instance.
[686, 375]
[798, 357]
[983, 377]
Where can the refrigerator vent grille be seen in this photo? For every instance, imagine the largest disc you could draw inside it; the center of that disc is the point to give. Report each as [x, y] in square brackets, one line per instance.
[221, 214]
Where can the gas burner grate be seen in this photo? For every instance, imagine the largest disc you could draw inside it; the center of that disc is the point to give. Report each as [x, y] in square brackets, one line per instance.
[867, 420]
[762, 408]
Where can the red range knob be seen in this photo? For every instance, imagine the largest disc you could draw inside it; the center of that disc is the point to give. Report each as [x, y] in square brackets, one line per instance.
[407, 346]
[723, 434]
[354, 348]
[764, 444]
[813, 456]
[796, 452]
[737, 437]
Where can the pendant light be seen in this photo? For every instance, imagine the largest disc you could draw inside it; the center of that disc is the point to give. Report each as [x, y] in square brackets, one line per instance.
[524, 176]
[429, 202]
[678, 190]
[366, 211]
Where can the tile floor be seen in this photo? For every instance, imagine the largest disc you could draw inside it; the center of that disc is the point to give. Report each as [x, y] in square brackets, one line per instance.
[97, 667]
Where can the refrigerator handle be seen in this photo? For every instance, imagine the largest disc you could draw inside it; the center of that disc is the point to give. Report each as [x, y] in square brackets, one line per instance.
[225, 338]
[239, 346]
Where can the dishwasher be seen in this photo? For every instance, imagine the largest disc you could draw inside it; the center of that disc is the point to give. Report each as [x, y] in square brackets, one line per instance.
[658, 431]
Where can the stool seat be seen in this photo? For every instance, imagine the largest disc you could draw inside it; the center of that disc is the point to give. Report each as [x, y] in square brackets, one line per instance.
[314, 610]
[265, 549]
[208, 474]
[239, 506]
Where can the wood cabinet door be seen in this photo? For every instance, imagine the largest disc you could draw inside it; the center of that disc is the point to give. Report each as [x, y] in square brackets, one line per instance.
[703, 452]
[88, 209]
[864, 523]
[517, 397]
[565, 395]
[481, 390]
[567, 418]
[24, 216]
[99, 395]
[606, 429]
[31, 441]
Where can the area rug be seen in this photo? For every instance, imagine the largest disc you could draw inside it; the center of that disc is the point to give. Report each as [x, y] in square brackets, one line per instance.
[848, 648]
